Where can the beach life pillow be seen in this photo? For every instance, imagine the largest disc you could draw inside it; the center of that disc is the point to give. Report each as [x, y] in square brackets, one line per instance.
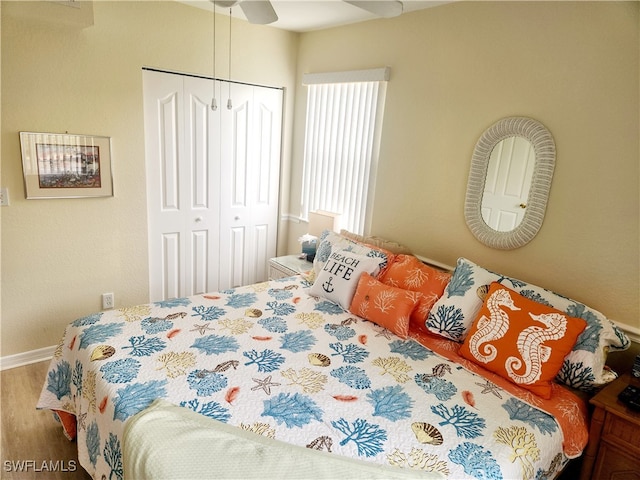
[332, 242]
[583, 368]
[521, 340]
[409, 273]
[338, 279]
[387, 306]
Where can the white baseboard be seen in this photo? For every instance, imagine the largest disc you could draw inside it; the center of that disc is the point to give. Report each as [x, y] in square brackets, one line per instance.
[26, 358]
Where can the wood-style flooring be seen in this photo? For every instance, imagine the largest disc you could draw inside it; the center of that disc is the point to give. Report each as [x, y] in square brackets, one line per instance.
[29, 436]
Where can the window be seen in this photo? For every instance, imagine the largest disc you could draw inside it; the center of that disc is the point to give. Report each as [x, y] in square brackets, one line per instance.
[342, 137]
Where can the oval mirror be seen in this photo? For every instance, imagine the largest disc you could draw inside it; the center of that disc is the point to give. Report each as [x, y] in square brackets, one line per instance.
[509, 181]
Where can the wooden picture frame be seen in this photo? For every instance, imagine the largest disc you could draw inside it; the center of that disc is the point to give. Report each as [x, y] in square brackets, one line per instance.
[62, 165]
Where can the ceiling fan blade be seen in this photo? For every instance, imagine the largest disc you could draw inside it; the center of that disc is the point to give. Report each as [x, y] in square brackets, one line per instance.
[382, 8]
[258, 11]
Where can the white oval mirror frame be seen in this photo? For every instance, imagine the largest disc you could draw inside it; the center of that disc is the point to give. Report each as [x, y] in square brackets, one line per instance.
[545, 157]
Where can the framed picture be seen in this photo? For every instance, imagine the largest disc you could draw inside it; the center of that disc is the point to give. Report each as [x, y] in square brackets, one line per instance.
[62, 165]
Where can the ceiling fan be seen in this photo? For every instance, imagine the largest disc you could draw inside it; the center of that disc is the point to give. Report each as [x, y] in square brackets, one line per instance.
[261, 11]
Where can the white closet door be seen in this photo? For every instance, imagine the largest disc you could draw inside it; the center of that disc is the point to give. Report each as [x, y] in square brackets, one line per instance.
[202, 215]
[250, 171]
[183, 177]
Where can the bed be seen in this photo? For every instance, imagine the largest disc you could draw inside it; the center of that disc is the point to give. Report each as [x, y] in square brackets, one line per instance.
[357, 362]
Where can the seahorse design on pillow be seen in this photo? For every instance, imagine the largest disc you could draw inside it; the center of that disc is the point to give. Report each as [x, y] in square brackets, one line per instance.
[531, 348]
[492, 328]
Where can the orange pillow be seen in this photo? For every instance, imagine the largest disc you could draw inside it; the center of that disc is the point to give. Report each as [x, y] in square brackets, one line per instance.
[409, 273]
[387, 306]
[521, 340]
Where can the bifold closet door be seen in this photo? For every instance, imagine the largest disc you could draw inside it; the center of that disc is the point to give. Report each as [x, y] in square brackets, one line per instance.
[212, 183]
[250, 171]
[182, 153]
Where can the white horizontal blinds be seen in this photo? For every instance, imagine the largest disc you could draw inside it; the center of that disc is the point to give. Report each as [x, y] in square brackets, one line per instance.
[339, 145]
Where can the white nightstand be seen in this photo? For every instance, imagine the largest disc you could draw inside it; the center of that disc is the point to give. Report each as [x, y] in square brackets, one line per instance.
[288, 265]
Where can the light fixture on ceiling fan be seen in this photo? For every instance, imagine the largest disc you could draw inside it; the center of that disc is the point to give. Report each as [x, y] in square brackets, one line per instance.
[257, 11]
[214, 102]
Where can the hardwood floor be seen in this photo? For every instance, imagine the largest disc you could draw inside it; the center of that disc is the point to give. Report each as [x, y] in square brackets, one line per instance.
[33, 446]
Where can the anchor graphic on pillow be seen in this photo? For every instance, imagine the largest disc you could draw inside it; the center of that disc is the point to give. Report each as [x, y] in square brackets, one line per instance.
[328, 285]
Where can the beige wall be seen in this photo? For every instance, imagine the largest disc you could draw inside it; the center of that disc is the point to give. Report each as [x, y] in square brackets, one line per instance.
[458, 68]
[58, 256]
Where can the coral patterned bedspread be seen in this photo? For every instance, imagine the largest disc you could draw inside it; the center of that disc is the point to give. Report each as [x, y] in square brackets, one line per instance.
[274, 360]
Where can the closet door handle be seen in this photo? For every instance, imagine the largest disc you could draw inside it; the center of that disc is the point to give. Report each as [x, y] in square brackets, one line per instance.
[198, 219]
[236, 218]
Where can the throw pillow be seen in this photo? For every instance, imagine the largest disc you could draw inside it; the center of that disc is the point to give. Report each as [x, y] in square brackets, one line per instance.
[583, 369]
[332, 242]
[409, 273]
[387, 306]
[521, 340]
[338, 279]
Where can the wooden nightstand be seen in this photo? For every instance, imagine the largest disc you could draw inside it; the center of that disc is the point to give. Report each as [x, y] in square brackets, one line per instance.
[288, 265]
[614, 447]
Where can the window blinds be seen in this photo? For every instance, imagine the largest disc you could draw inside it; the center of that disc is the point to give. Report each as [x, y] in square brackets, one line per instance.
[341, 145]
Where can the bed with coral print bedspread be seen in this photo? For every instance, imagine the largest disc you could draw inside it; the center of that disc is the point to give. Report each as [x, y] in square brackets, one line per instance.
[272, 359]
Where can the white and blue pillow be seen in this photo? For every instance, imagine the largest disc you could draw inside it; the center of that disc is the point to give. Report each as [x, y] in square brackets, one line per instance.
[338, 279]
[583, 368]
[330, 241]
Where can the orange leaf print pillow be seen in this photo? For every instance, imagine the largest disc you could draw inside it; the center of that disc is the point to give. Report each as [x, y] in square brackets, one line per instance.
[409, 273]
[384, 305]
[521, 340]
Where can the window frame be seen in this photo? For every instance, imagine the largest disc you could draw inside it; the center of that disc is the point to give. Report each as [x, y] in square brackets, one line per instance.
[314, 166]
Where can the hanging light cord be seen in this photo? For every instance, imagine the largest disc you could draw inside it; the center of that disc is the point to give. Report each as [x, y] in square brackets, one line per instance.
[214, 103]
[229, 104]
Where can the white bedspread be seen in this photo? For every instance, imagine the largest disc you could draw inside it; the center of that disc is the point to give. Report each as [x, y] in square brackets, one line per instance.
[270, 359]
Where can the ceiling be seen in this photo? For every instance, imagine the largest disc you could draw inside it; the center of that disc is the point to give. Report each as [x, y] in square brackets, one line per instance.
[308, 15]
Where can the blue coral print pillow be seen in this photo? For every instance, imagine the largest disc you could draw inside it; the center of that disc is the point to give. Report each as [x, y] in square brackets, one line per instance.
[583, 368]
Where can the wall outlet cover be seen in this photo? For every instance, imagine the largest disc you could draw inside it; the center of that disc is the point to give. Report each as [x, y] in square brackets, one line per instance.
[4, 196]
[107, 301]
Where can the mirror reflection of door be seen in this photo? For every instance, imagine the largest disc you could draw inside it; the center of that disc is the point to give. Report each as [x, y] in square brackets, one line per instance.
[507, 184]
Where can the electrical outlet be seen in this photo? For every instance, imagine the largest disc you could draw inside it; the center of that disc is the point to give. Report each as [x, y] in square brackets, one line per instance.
[4, 196]
[107, 301]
